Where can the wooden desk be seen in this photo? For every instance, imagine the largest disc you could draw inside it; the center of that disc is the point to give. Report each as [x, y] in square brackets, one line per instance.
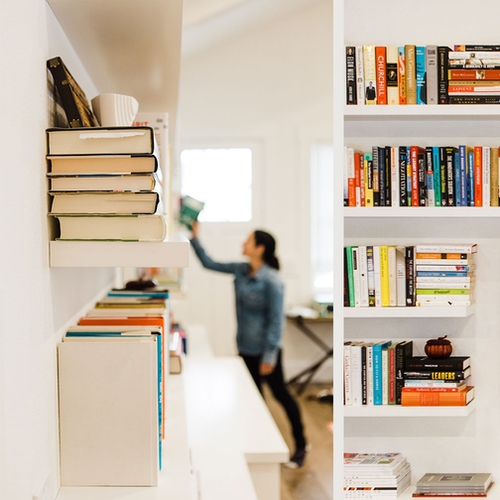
[305, 324]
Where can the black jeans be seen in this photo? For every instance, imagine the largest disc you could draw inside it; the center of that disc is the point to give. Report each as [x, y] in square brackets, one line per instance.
[276, 383]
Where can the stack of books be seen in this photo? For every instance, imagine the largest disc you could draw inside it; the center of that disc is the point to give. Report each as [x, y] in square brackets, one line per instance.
[447, 485]
[105, 183]
[375, 475]
[445, 274]
[437, 382]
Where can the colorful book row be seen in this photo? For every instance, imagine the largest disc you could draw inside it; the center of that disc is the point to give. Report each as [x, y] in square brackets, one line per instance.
[422, 176]
[422, 74]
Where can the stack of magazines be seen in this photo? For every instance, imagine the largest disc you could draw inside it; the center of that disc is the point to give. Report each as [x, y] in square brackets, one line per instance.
[380, 476]
[448, 485]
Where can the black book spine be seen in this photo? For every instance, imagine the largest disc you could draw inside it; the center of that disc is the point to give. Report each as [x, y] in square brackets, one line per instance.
[381, 176]
[388, 180]
[403, 195]
[422, 190]
[452, 363]
[443, 74]
[442, 176]
[410, 276]
[451, 375]
[375, 177]
[475, 99]
[350, 63]
[346, 281]
[450, 176]
[364, 387]
[404, 350]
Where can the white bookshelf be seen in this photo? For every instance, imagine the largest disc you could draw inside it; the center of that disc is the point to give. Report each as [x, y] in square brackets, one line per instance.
[408, 312]
[462, 437]
[173, 252]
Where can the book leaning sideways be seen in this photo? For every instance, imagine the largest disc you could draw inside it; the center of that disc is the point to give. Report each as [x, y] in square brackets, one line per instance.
[190, 210]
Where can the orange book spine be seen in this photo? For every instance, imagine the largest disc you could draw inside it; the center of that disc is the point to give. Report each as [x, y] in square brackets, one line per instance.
[478, 176]
[439, 256]
[381, 61]
[436, 398]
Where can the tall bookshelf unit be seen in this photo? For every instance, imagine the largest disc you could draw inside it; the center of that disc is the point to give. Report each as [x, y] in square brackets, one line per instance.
[432, 439]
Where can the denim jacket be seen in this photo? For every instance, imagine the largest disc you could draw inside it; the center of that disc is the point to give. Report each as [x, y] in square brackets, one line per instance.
[259, 305]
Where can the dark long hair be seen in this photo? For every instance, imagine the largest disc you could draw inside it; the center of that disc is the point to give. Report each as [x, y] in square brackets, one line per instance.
[269, 243]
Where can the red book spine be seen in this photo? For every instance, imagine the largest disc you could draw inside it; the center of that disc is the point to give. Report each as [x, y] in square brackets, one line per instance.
[478, 176]
[381, 60]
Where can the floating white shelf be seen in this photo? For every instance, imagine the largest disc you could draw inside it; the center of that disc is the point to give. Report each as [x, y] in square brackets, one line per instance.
[409, 411]
[424, 212]
[452, 112]
[408, 312]
[169, 253]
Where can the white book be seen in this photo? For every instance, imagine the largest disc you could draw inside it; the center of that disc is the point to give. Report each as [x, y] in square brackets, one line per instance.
[123, 312]
[401, 276]
[108, 408]
[376, 271]
[457, 285]
[447, 303]
[371, 275]
[346, 174]
[347, 374]
[447, 248]
[445, 279]
[486, 176]
[363, 276]
[392, 267]
[360, 76]
[356, 379]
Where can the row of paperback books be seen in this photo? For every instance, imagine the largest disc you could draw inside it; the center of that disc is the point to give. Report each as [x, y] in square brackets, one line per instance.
[422, 74]
[433, 275]
[387, 373]
[386, 475]
[422, 176]
[127, 335]
[105, 183]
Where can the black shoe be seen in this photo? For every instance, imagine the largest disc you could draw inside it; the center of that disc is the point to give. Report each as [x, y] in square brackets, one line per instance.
[298, 458]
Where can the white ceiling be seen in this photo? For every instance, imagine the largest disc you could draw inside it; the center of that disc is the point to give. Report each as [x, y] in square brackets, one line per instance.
[206, 22]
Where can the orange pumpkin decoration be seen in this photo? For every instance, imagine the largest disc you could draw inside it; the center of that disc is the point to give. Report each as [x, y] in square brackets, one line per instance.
[439, 348]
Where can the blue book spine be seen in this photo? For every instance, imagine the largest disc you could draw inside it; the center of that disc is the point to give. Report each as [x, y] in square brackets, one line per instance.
[161, 397]
[443, 274]
[429, 177]
[456, 167]
[470, 178]
[462, 152]
[408, 175]
[437, 175]
[421, 74]
[377, 371]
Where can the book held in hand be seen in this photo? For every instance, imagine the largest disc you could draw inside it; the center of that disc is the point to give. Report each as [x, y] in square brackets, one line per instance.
[190, 210]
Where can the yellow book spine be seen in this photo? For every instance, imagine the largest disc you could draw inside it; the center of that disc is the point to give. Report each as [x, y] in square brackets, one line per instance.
[384, 275]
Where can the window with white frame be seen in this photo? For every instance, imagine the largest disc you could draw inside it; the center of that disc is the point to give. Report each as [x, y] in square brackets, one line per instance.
[222, 179]
[322, 219]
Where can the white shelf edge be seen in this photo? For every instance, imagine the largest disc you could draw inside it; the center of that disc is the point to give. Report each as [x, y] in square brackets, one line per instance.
[173, 252]
[409, 411]
[408, 312]
[356, 112]
[424, 212]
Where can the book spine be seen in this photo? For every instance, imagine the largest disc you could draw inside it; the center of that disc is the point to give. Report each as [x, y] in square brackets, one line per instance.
[369, 374]
[356, 276]
[447, 248]
[431, 58]
[420, 74]
[462, 158]
[376, 268]
[395, 187]
[400, 277]
[429, 177]
[442, 375]
[360, 76]
[347, 374]
[351, 178]
[364, 388]
[381, 71]
[382, 176]
[443, 74]
[368, 171]
[415, 198]
[356, 381]
[486, 176]
[470, 177]
[357, 179]
[403, 198]
[392, 75]
[363, 276]
[410, 74]
[478, 176]
[494, 177]
[385, 376]
[473, 74]
[370, 271]
[375, 177]
[392, 375]
[404, 350]
[422, 189]
[350, 276]
[409, 186]
[452, 363]
[435, 398]
[401, 75]
[392, 270]
[410, 275]
[450, 175]
[350, 63]
[474, 99]
[370, 72]
[384, 275]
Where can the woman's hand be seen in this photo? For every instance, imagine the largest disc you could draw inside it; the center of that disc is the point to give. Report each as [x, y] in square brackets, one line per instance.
[195, 228]
[266, 369]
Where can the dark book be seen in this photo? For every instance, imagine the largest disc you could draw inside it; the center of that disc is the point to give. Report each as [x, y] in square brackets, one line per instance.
[364, 381]
[388, 180]
[474, 99]
[411, 296]
[382, 174]
[350, 64]
[422, 188]
[443, 74]
[403, 351]
[476, 48]
[450, 159]
[375, 177]
[346, 281]
[429, 177]
[450, 375]
[403, 168]
[442, 176]
[424, 363]
[73, 99]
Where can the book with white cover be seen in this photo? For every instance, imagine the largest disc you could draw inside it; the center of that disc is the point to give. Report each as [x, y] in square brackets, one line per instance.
[454, 482]
[108, 409]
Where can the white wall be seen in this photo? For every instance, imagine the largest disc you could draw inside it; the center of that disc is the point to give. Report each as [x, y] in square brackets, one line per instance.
[271, 86]
[36, 302]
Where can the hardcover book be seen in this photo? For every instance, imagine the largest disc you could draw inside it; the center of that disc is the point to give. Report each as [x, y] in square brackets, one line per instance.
[75, 103]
